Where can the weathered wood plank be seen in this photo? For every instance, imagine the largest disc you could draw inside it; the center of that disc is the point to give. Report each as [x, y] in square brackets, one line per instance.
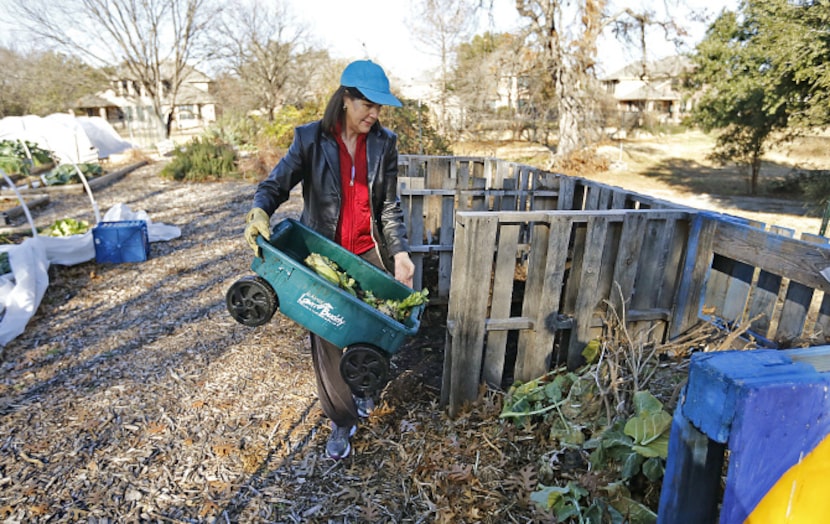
[543, 292]
[764, 297]
[718, 283]
[821, 328]
[508, 200]
[501, 299]
[592, 193]
[796, 306]
[413, 208]
[567, 186]
[654, 255]
[738, 286]
[587, 299]
[468, 307]
[446, 236]
[796, 259]
[628, 258]
[679, 232]
[695, 267]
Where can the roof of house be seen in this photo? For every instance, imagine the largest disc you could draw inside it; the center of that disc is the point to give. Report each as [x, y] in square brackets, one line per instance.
[669, 67]
[661, 90]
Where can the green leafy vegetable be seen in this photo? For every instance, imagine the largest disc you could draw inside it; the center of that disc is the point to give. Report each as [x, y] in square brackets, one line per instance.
[397, 309]
[67, 174]
[67, 227]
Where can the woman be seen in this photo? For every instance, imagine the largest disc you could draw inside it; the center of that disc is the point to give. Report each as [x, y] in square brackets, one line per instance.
[348, 164]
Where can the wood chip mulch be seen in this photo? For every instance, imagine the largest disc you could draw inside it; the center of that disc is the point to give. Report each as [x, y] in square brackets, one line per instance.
[133, 396]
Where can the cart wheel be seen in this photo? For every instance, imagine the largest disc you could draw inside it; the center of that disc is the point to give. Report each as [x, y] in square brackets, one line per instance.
[365, 369]
[251, 301]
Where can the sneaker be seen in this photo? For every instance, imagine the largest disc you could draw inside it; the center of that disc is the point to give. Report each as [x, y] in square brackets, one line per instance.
[338, 446]
[364, 405]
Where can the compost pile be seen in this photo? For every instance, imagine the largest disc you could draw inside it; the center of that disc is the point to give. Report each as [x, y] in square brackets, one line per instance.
[134, 396]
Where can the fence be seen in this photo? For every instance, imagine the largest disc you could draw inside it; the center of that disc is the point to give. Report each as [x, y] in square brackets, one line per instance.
[433, 188]
[537, 260]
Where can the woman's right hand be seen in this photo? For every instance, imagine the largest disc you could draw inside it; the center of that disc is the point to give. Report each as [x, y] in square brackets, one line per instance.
[258, 224]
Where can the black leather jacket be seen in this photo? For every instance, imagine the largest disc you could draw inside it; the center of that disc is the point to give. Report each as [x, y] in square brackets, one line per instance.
[313, 159]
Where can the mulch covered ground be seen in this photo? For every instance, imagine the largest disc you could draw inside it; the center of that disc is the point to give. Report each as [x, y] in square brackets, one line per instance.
[133, 396]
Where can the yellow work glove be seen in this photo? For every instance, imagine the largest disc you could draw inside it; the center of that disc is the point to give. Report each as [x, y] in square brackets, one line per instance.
[258, 224]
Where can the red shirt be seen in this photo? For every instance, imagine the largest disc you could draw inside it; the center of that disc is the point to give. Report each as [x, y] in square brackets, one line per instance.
[354, 228]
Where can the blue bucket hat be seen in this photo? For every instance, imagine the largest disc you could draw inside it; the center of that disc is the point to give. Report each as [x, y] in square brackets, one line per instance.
[370, 80]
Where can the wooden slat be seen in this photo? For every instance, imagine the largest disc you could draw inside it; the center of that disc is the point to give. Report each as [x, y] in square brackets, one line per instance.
[567, 186]
[796, 259]
[654, 255]
[718, 283]
[796, 304]
[577, 253]
[413, 208]
[501, 299]
[738, 286]
[679, 232]
[508, 200]
[764, 296]
[606, 197]
[695, 267]
[543, 291]
[587, 299]
[468, 307]
[610, 252]
[627, 263]
[446, 236]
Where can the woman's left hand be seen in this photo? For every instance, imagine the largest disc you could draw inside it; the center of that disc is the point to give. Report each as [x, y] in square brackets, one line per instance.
[404, 268]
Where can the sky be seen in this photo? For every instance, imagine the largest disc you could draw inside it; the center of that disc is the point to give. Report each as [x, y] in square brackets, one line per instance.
[377, 29]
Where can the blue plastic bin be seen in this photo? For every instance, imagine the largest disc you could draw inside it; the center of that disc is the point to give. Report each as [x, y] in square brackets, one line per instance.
[123, 241]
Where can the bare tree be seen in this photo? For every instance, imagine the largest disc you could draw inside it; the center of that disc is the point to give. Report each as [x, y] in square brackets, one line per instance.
[567, 34]
[261, 43]
[42, 82]
[441, 25]
[154, 41]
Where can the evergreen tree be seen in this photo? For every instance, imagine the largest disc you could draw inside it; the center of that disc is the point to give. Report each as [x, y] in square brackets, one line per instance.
[762, 74]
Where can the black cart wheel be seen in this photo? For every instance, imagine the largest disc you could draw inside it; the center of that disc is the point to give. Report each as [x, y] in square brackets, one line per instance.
[365, 369]
[251, 301]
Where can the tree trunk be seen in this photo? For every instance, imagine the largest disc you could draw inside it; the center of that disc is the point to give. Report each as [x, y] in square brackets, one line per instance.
[755, 166]
[569, 115]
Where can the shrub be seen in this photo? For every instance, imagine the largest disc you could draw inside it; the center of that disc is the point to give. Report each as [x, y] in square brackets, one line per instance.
[202, 160]
[812, 186]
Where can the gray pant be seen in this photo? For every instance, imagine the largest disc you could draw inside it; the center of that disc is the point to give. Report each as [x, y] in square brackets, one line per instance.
[334, 394]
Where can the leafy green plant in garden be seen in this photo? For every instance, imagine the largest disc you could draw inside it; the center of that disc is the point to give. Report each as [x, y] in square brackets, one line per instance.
[639, 445]
[68, 174]
[19, 156]
[66, 227]
[202, 160]
[604, 413]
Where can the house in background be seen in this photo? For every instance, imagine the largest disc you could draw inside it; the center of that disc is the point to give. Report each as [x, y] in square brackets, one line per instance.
[651, 92]
[126, 106]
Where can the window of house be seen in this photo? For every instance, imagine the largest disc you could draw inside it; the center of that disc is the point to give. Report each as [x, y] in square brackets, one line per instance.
[186, 112]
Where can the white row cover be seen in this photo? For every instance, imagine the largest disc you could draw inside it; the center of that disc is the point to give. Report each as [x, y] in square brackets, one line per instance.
[22, 290]
[73, 139]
